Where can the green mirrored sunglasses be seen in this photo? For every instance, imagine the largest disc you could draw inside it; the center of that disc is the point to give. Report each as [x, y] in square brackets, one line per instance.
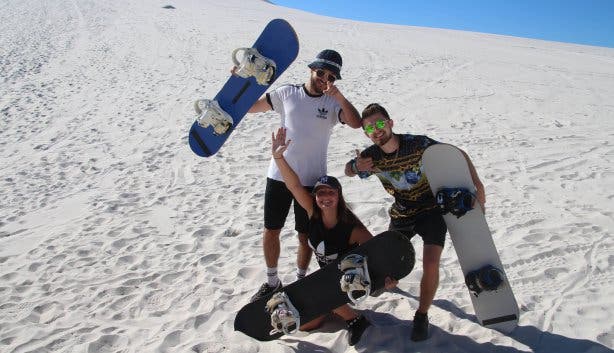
[380, 124]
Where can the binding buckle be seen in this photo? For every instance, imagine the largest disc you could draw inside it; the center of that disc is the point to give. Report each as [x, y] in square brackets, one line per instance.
[355, 278]
[456, 201]
[254, 65]
[284, 316]
[210, 113]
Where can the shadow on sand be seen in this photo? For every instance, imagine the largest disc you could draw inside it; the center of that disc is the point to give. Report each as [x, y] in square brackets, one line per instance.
[390, 334]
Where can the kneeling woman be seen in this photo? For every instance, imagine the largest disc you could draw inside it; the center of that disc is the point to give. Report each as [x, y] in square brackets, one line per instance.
[333, 228]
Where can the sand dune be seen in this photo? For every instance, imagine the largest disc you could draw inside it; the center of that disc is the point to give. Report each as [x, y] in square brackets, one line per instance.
[114, 237]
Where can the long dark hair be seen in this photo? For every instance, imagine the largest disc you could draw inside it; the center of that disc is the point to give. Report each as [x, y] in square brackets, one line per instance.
[344, 213]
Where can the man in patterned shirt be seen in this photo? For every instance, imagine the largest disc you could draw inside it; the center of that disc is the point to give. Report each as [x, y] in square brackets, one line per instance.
[395, 160]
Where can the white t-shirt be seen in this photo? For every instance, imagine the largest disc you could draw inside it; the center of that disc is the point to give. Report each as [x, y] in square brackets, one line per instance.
[309, 121]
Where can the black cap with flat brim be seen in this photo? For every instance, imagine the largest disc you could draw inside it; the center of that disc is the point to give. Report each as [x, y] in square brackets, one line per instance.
[327, 181]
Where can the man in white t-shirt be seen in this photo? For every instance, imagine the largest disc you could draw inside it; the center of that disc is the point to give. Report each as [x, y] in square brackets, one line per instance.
[308, 112]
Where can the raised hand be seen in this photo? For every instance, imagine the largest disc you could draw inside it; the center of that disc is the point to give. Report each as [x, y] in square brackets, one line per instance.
[279, 143]
[333, 91]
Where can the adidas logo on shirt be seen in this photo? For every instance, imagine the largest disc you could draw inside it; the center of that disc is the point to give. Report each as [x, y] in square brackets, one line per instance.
[322, 113]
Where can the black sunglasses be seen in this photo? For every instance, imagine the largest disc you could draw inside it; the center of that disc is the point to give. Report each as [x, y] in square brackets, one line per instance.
[330, 78]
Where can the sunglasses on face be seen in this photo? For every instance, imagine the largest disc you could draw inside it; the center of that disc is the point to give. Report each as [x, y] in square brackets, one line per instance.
[379, 124]
[330, 78]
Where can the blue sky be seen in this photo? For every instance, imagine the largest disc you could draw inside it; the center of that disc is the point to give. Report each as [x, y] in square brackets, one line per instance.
[588, 22]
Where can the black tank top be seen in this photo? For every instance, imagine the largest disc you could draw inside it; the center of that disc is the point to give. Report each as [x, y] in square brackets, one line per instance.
[329, 244]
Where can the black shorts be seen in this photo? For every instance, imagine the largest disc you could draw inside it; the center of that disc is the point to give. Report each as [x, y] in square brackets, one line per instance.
[277, 201]
[431, 227]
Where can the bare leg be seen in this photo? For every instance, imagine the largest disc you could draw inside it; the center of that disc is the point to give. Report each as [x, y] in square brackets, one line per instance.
[313, 324]
[345, 312]
[270, 245]
[430, 276]
[303, 257]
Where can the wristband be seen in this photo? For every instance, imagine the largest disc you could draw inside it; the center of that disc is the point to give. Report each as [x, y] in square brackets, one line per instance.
[354, 167]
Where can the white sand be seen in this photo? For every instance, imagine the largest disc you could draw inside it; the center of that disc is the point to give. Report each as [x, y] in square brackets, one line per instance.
[115, 237]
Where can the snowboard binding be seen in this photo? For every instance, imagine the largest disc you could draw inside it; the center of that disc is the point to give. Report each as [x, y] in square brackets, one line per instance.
[488, 278]
[355, 279]
[254, 65]
[456, 201]
[210, 113]
[284, 316]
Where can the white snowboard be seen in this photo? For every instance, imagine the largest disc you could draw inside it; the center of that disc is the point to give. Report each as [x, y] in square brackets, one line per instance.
[445, 166]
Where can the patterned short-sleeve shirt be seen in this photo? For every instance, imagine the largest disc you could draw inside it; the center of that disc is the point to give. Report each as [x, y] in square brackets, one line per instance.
[401, 175]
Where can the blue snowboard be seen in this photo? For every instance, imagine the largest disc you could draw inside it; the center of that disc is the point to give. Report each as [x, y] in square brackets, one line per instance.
[277, 42]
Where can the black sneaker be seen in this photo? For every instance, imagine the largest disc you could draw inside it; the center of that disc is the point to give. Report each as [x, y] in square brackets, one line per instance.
[355, 329]
[420, 331]
[265, 290]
